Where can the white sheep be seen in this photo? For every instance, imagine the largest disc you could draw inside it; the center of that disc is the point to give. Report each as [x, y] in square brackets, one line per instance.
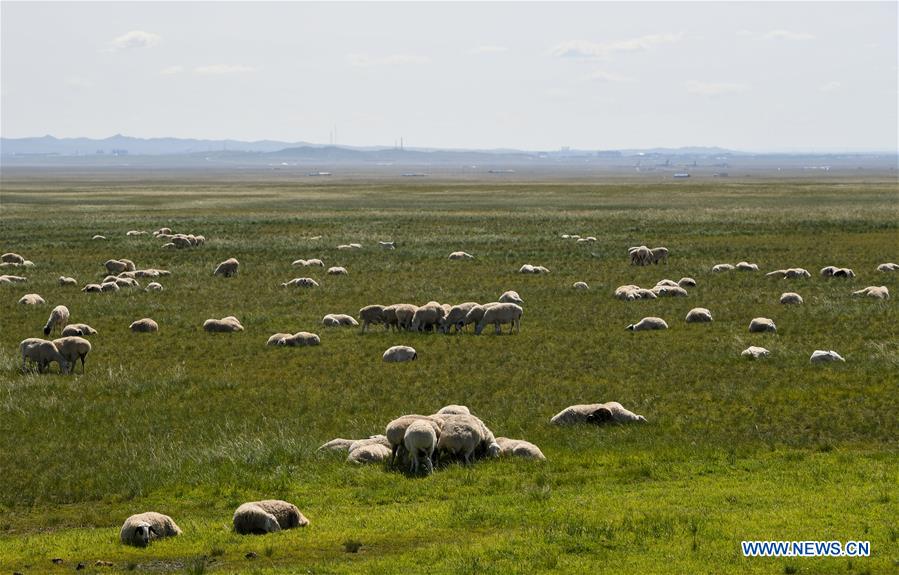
[338, 444]
[227, 268]
[791, 298]
[420, 440]
[755, 352]
[794, 273]
[453, 409]
[337, 271]
[115, 266]
[596, 413]
[648, 323]
[399, 353]
[109, 287]
[163, 231]
[580, 286]
[718, 268]
[387, 245]
[131, 233]
[427, 317]
[639, 255]
[827, 271]
[762, 324]
[145, 325]
[80, 329]
[225, 325]
[456, 316]
[698, 315]
[526, 269]
[519, 448]
[876, 292]
[154, 286]
[42, 353]
[822, 356]
[465, 436]
[667, 283]
[669, 291]
[658, 255]
[12, 279]
[140, 529]
[92, 288]
[66, 281]
[511, 297]
[12, 258]
[395, 432]
[339, 320]
[301, 282]
[127, 283]
[371, 453]
[461, 256]
[278, 338]
[73, 348]
[59, 317]
[747, 267]
[399, 316]
[499, 314]
[31, 299]
[686, 282]
[301, 339]
[371, 314]
[98, 237]
[888, 267]
[476, 313]
[267, 516]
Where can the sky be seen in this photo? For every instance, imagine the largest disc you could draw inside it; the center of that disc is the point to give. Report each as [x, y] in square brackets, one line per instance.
[781, 76]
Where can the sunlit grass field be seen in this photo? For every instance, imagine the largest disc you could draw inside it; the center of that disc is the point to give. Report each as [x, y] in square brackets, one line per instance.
[193, 424]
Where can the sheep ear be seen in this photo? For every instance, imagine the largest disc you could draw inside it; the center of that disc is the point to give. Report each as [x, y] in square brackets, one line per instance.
[153, 530]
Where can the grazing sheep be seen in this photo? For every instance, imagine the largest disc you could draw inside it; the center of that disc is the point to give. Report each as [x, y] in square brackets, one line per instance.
[140, 529]
[456, 316]
[718, 268]
[581, 286]
[500, 314]
[42, 353]
[92, 288]
[465, 436]
[453, 409]
[776, 274]
[822, 356]
[526, 269]
[596, 413]
[476, 313]
[154, 286]
[371, 314]
[387, 245]
[843, 273]
[461, 256]
[396, 433]
[339, 320]
[12, 279]
[300, 339]
[224, 325]
[761, 324]
[420, 440]
[371, 453]
[337, 271]
[698, 315]
[876, 292]
[794, 273]
[227, 268]
[658, 255]
[427, 317]
[73, 348]
[301, 282]
[270, 515]
[109, 287]
[790, 298]
[686, 282]
[669, 291]
[115, 266]
[648, 323]
[127, 283]
[640, 255]
[168, 246]
[98, 237]
[145, 325]
[399, 316]
[827, 271]
[755, 352]
[888, 267]
[12, 258]
[31, 299]
[59, 317]
[399, 353]
[278, 339]
[511, 297]
[747, 267]
[66, 281]
[79, 329]
[519, 448]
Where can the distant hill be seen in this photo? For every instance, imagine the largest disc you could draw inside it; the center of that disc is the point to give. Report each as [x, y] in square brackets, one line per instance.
[133, 146]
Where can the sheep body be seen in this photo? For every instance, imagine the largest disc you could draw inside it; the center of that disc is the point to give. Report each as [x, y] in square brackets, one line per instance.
[73, 348]
[611, 411]
[823, 356]
[465, 436]
[92, 288]
[395, 432]
[762, 324]
[338, 320]
[453, 409]
[427, 316]
[154, 286]
[399, 315]
[80, 329]
[420, 440]
[648, 323]
[747, 267]
[301, 339]
[371, 314]
[337, 271]
[224, 325]
[686, 282]
[140, 529]
[31, 299]
[698, 315]
[460, 256]
[371, 453]
[888, 267]
[718, 268]
[501, 313]
[145, 325]
[580, 286]
[267, 516]
[876, 292]
[66, 281]
[387, 245]
[12, 258]
[278, 338]
[791, 298]
[227, 268]
[755, 352]
[456, 316]
[58, 319]
[519, 448]
[399, 353]
[42, 353]
[658, 255]
[300, 282]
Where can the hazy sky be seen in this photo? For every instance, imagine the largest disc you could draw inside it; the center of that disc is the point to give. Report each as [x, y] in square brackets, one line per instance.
[750, 76]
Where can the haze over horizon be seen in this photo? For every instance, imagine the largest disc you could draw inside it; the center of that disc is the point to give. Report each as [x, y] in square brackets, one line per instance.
[810, 77]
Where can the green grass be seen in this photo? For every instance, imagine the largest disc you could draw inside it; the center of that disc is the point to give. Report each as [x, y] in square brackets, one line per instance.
[192, 424]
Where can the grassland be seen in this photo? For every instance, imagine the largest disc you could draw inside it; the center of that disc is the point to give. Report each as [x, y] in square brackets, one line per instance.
[192, 424]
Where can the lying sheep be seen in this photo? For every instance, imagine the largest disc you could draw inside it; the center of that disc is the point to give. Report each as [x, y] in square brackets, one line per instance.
[596, 413]
[278, 338]
[31, 299]
[453, 409]
[762, 324]
[73, 348]
[307, 263]
[420, 441]
[519, 448]
[843, 273]
[532, 269]
[140, 529]
[456, 316]
[427, 317]
[888, 267]
[339, 444]
[499, 314]
[300, 339]
[876, 292]
[42, 353]
[827, 271]
[59, 317]
[822, 356]
[268, 516]
[154, 286]
[686, 282]
[225, 325]
[339, 320]
[747, 267]
[794, 273]
[115, 266]
[648, 323]
[633, 292]
[460, 256]
[227, 268]
[580, 286]
[92, 288]
[387, 245]
[127, 283]
[131, 233]
[755, 352]
[12, 258]
[145, 325]
[337, 271]
[79, 329]
[301, 282]
[12, 279]
[371, 314]
[718, 268]
[109, 287]
[399, 353]
[791, 298]
[465, 437]
[66, 281]
[98, 237]
[511, 297]
[666, 283]
[371, 453]
[163, 231]
[669, 291]
[395, 432]
[698, 315]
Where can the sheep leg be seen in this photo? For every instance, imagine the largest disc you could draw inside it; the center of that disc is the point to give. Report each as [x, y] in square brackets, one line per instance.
[364, 325]
[82, 363]
[497, 330]
[393, 452]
